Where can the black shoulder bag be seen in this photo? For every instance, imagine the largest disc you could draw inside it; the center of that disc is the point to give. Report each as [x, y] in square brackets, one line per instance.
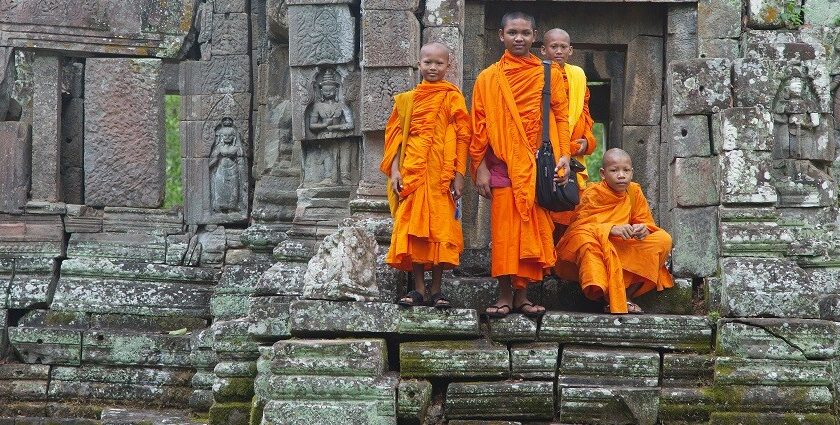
[550, 195]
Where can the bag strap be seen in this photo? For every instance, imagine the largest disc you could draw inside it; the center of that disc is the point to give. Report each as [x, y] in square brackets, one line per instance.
[546, 100]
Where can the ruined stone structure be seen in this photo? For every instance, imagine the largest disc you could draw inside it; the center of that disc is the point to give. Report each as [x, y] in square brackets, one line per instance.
[235, 306]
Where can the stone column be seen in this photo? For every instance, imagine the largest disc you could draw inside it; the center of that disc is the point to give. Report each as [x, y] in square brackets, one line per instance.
[444, 22]
[46, 129]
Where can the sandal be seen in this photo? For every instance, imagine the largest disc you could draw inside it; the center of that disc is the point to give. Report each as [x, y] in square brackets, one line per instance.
[632, 308]
[497, 313]
[532, 314]
[411, 299]
[440, 301]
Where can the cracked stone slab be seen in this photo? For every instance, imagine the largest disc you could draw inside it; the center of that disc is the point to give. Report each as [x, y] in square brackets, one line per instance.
[478, 358]
[780, 339]
[528, 400]
[344, 357]
[737, 371]
[767, 287]
[611, 405]
[626, 367]
[535, 360]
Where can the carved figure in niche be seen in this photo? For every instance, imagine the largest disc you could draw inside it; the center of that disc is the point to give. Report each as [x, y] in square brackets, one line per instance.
[796, 103]
[328, 164]
[225, 160]
[204, 26]
[329, 116]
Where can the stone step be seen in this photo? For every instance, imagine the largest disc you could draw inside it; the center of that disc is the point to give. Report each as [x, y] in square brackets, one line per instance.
[454, 359]
[532, 400]
[122, 416]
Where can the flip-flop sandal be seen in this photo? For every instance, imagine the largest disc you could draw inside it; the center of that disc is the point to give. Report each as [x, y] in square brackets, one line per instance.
[411, 299]
[532, 314]
[497, 312]
[440, 301]
[632, 308]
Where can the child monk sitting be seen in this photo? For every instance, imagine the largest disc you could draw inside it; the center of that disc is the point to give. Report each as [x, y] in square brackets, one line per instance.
[426, 143]
[613, 247]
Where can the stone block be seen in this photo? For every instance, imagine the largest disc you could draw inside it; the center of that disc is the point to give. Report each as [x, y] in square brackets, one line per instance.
[120, 416]
[283, 278]
[223, 74]
[822, 13]
[411, 5]
[33, 282]
[696, 246]
[745, 178]
[231, 340]
[682, 333]
[773, 398]
[15, 176]
[230, 413]
[767, 14]
[390, 38]
[379, 85]
[507, 399]
[54, 319]
[306, 94]
[719, 18]
[681, 20]
[344, 267]
[269, 317]
[326, 412]
[83, 219]
[719, 418]
[200, 108]
[678, 299]
[455, 359]
[681, 49]
[471, 292]
[23, 381]
[610, 405]
[212, 198]
[699, 86]
[381, 390]
[643, 85]
[314, 25]
[535, 360]
[112, 348]
[117, 246]
[689, 136]
[46, 128]
[232, 390]
[743, 128]
[430, 321]
[72, 150]
[718, 48]
[800, 184]
[514, 327]
[643, 145]
[345, 357]
[46, 345]
[760, 287]
[695, 182]
[229, 31]
[163, 377]
[737, 371]
[453, 38]
[413, 400]
[142, 220]
[124, 152]
[687, 370]
[778, 339]
[343, 317]
[686, 404]
[605, 367]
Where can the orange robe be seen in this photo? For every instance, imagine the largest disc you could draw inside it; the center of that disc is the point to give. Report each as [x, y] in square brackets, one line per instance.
[426, 230]
[506, 114]
[607, 265]
[581, 129]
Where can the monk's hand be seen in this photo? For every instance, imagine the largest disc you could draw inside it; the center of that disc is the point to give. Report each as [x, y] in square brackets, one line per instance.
[640, 231]
[482, 180]
[623, 231]
[457, 186]
[562, 171]
[584, 145]
[396, 182]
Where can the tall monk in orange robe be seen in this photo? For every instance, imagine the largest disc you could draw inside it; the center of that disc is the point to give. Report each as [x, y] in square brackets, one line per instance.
[426, 143]
[557, 47]
[506, 113]
[613, 246]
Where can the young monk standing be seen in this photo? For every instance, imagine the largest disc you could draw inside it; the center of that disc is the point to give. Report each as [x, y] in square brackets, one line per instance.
[613, 242]
[507, 124]
[557, 47]
[426, 144]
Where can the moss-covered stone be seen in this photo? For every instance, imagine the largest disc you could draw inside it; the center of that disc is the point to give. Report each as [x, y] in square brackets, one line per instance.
[342, 317]
[585, 366]
[270, 318]
[413, 399]
[737, 371]
[685, 405]
[770, 398]
[514, 327]
[478, 358]
[782, 339]
[429, 322]
[609, 405]
[47, 345]
[257, 406]
[687, 369]
[675, 300]
[500, 400]
[230, 413]
[347, 357]
[760, 418]
[381, 390]
[325, 412]
[231, 340]
[235, 369]
[114, 348]
[535, 360]
[227, 390]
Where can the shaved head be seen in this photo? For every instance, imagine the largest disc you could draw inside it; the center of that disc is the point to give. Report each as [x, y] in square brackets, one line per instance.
[615, 154]
[518, 15]
[436, 47]
[557, 33]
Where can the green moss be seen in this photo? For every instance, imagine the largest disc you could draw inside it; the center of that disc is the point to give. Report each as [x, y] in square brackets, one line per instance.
[685, 412]
[230, 414]
[236, 390]
[257, 407]
[756, 418]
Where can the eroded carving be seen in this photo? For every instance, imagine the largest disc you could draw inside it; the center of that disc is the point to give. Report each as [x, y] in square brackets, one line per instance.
[204, 26]
[329, 117]
[225, 159]
[330, 163]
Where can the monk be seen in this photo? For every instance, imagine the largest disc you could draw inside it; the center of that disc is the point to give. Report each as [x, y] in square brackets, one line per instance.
[557, 47]
[426, 143]
[613, 247]
[506, 114]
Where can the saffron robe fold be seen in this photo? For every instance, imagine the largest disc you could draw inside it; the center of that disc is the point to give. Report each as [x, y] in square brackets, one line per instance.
[607, 265]
[426, 230]
[506, 116]
[580, 123]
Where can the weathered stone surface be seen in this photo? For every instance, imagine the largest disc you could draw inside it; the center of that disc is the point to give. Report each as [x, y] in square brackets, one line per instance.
[83, 219]
[232, 390]
[737, 371]
[762, 287]
[295, 412]
[344, 268]
[611, 405]
[229, 29]
[514, 327]
[822, 13]
[768, 14]
[346, 357]
[686, 370]
[692, 333]
[536, 360]
[783, 86]
[235, 369]
[343, 317]
[46, 129]
[696, 247]
[413, 400]
[509, 399]
[72, 133]
[283, 278]
[581, 366]
[430, 321]
[54, 319]
[269, 317]
[689, 136]
[779, 339]
[479, 358]
[452, 37]
[323, 34]
[111, 348]
[119, 416]
[699, 86]
[718, 18]
[470, 292]
[121, 375]
[643, 145]
[231, 340]
[643, 87]
[681, 20]
[390, 38]
[23, 381]
[118, 246]
[689, 404]
[143, 220]
[694, 182]
[718, 48]
[746, 178]
[16, 154]
[745, 128]
[759, 398]
[379, 85]
[124, 152]
[812, 139]
[34, 279]
[46, 346]
[230, 413]
[720, 418]
[411, 5]
[380, 390]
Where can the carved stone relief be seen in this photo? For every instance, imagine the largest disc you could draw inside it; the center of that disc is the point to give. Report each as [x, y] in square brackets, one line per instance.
[226, 160]
[327, 98]
[321, 34]
[332, 163]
